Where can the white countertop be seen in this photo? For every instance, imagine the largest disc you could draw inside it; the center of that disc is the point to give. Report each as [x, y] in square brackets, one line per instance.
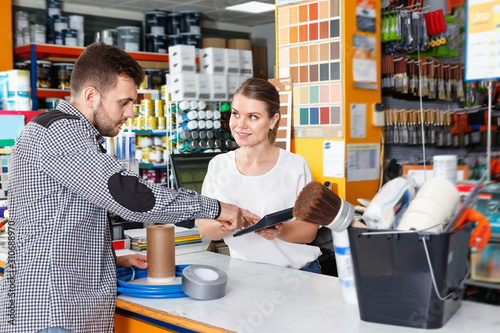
[265, 298]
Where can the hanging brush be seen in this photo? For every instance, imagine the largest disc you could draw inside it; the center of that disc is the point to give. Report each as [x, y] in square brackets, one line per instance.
[319, 205]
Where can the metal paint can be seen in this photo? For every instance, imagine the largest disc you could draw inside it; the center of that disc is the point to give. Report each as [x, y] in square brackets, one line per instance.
[155, 22]
[129, 38]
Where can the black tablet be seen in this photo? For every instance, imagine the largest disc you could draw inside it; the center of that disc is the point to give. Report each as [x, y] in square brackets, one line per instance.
[267, 221]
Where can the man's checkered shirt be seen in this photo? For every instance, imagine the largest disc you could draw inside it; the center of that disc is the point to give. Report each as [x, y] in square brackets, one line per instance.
[61, 270]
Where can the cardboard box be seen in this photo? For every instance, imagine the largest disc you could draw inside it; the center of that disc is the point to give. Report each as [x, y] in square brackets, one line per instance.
[203, 86]
[246, 63]
[212, 61]
[232, 61]
[233, 83]
[218, 87]
[213, 42]
[239, 44]
[183, 86]
[243, 78]
[182, 59]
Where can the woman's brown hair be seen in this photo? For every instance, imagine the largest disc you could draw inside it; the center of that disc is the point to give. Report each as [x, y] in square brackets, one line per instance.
[262, 90]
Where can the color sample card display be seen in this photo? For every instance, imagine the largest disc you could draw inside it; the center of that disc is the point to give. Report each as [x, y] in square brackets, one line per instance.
[4, 176]
[309, 51]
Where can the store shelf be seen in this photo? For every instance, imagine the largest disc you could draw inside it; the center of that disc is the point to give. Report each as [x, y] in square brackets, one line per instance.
[482, 284]
[152, 165]
[152, 132]
[48, 51]
[149, 56]
[44, 93]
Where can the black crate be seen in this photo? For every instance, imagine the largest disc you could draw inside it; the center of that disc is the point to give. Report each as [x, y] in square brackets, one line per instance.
[394, 282]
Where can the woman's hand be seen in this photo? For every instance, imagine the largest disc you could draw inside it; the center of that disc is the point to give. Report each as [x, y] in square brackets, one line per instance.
[271, 232]
[136, 259]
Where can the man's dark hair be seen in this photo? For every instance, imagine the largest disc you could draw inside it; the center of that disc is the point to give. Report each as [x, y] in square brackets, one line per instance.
[100, 65]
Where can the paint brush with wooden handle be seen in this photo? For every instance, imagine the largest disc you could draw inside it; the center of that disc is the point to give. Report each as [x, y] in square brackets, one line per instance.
[318, 204]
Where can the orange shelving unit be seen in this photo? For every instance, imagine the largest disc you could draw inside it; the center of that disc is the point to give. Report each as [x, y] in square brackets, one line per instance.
[47, 51]
[62, 51]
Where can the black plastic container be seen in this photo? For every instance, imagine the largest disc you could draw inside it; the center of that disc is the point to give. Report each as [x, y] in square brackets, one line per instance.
[394, 282]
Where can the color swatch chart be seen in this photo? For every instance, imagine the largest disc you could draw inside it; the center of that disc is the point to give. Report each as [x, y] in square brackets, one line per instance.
[4, 176]
[309, 51]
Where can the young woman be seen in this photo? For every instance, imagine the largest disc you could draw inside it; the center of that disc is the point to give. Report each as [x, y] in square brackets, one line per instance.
[263, 179]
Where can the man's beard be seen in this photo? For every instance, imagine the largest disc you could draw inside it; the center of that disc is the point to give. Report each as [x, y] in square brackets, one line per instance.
[102, 122]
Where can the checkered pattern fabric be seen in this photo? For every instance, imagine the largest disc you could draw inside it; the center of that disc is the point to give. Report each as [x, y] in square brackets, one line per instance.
[60, 270]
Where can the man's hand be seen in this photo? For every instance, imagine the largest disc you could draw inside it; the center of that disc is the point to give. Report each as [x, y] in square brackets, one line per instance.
[138, 260]
[233, 218]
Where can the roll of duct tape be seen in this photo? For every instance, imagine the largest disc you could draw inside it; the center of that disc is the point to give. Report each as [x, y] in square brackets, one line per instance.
[203, 282]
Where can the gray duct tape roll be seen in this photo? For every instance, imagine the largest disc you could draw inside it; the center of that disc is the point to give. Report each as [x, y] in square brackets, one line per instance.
[203, 282]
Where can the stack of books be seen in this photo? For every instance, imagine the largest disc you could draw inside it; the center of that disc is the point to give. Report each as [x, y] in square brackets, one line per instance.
[138, 240]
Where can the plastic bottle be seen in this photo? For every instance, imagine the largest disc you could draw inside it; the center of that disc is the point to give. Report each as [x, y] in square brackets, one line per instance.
[191, 115]
[209, 124]
[191, 125]
[345, 270]
[201, 124]
[201, 114]
[202, 135]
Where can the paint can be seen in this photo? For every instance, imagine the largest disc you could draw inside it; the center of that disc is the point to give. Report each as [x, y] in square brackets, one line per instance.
[51, 102]
[58, 38]
[37, 34]
[109, 36]
[61, 22]
[76, 22]
[155, 78]
[61, 75]
[129, 38]
[189, 22]
[43, 70]
[53, 8]
[173, 23]
[21, 22]
[155, 22]
[156, 43]
[174, 40]
[69, 37]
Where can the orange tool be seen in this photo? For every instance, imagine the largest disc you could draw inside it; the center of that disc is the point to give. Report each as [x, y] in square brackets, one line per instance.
[481, 234]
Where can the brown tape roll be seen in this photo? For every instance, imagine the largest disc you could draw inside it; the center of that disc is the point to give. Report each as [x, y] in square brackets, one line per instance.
[161, 253]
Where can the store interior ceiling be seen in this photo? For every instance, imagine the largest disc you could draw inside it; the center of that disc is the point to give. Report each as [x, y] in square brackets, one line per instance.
[213, 10]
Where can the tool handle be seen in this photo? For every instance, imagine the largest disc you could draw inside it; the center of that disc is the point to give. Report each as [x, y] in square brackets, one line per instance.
[482, 232]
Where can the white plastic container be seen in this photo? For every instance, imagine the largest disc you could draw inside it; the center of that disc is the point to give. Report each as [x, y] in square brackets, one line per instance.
[445, 166]
[345, 269]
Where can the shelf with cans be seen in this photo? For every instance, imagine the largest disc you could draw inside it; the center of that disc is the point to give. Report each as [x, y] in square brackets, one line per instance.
[51, 79]
[186, 126]
[163, 127]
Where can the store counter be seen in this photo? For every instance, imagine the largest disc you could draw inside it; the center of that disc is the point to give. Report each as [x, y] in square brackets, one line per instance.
[264, 298]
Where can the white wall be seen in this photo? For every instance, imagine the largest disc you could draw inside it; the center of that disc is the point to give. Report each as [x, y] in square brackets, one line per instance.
[264, 35]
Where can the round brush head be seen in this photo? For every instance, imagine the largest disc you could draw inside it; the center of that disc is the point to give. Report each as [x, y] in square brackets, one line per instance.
[317, 204]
